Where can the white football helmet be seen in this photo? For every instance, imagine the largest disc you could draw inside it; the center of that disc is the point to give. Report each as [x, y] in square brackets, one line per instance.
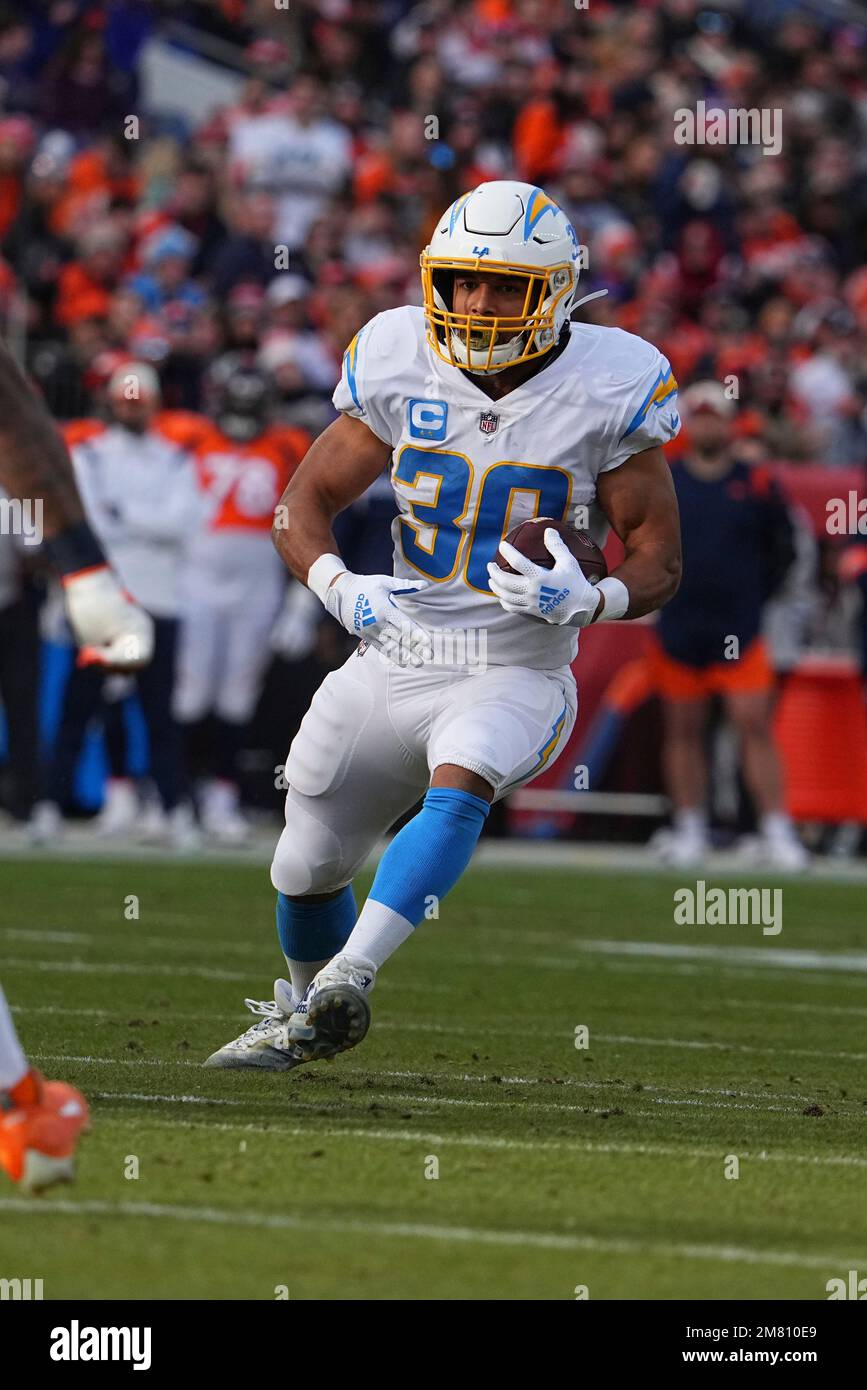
[512, 229]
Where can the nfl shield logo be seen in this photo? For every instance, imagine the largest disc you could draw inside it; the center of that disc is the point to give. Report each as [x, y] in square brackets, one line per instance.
[488, 422]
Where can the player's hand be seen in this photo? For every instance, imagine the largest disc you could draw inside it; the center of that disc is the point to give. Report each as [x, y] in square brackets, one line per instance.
[294, 633]
[364, 604]
[559, 595]
[110, 628]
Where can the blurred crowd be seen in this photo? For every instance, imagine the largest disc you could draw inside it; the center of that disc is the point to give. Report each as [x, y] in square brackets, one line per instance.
[260, 237]
[360, 120]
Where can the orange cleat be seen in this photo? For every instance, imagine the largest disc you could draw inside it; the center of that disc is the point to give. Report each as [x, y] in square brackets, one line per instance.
[40, 1122]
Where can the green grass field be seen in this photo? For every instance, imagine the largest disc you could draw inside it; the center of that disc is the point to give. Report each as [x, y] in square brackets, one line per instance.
[558, 1167]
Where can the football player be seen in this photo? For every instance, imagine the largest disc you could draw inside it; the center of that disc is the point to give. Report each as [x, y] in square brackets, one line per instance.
[40, 1121]
[492, 408]
[233, 585]
[140, 494]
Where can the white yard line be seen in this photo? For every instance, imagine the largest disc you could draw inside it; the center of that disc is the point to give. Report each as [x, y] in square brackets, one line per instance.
[136, 934]
[787, 1006]
[415, 1098]
[767, 956]
[480, 1032]
[621, 1039]
[700, 957]
[474, 1141]
[403, 1230]
[696, 1045]
[179, 971]
[779, 957]
[416, 1075]
[144, 969]
[600, 955]
[407, 1098]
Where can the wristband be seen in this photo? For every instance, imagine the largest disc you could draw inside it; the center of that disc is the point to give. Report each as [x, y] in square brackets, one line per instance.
[616, 597]
[322, 572]
[75, 549]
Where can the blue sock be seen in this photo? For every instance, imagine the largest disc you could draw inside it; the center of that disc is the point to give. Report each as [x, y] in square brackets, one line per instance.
[427, 857]
[311, 933]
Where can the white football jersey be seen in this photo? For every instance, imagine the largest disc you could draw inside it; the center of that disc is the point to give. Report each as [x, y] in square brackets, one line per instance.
[466, 469]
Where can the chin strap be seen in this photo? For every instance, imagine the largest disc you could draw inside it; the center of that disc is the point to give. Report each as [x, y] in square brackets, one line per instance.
[597, 294]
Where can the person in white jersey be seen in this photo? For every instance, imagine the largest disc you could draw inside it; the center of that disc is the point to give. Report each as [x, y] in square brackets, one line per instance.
[492, 408]
[140, 495]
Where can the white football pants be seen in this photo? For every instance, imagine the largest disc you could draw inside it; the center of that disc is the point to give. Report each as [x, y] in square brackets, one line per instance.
[375, 733]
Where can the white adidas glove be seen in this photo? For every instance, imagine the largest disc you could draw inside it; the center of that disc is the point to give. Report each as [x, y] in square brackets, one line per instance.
[109, 627]
[559, 595]
[364, 604]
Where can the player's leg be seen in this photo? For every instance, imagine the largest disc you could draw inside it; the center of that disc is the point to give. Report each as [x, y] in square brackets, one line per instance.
[19, 681]
[155, 683]
[40, 1121]
[197, 674]
[684, 765]
[350, 778]
[750, 713]
[82, 700]
[120, 814]
[491, 733]
[683, 691]
[246, 652]
[13, 1063]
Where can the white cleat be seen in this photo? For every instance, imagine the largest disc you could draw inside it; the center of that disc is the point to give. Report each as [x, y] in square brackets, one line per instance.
[120, 812]
[678, 850]
[221, 815]
[41, 1171]
[178, 828]
[266, 1045]
[46, 825]
[773, 852]
[334, 1014]
[183, 833]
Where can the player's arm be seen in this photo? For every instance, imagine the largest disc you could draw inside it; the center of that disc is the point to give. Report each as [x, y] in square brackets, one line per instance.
[35, 466]
[338, 467]
[34, 461]
[640, 502]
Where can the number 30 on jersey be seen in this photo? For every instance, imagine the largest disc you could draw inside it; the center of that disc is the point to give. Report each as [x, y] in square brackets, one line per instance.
[439, 538]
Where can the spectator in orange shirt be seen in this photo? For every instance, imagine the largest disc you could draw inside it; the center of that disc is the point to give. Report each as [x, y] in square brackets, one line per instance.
[85, 286]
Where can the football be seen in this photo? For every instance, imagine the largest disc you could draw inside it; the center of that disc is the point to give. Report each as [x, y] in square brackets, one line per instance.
[529, 538]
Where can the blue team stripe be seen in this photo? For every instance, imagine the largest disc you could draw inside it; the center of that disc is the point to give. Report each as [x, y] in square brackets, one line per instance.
[538, 205]
[550, 743]
[456, 211]
[350, 358]
[544, 753]
[658, 394]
